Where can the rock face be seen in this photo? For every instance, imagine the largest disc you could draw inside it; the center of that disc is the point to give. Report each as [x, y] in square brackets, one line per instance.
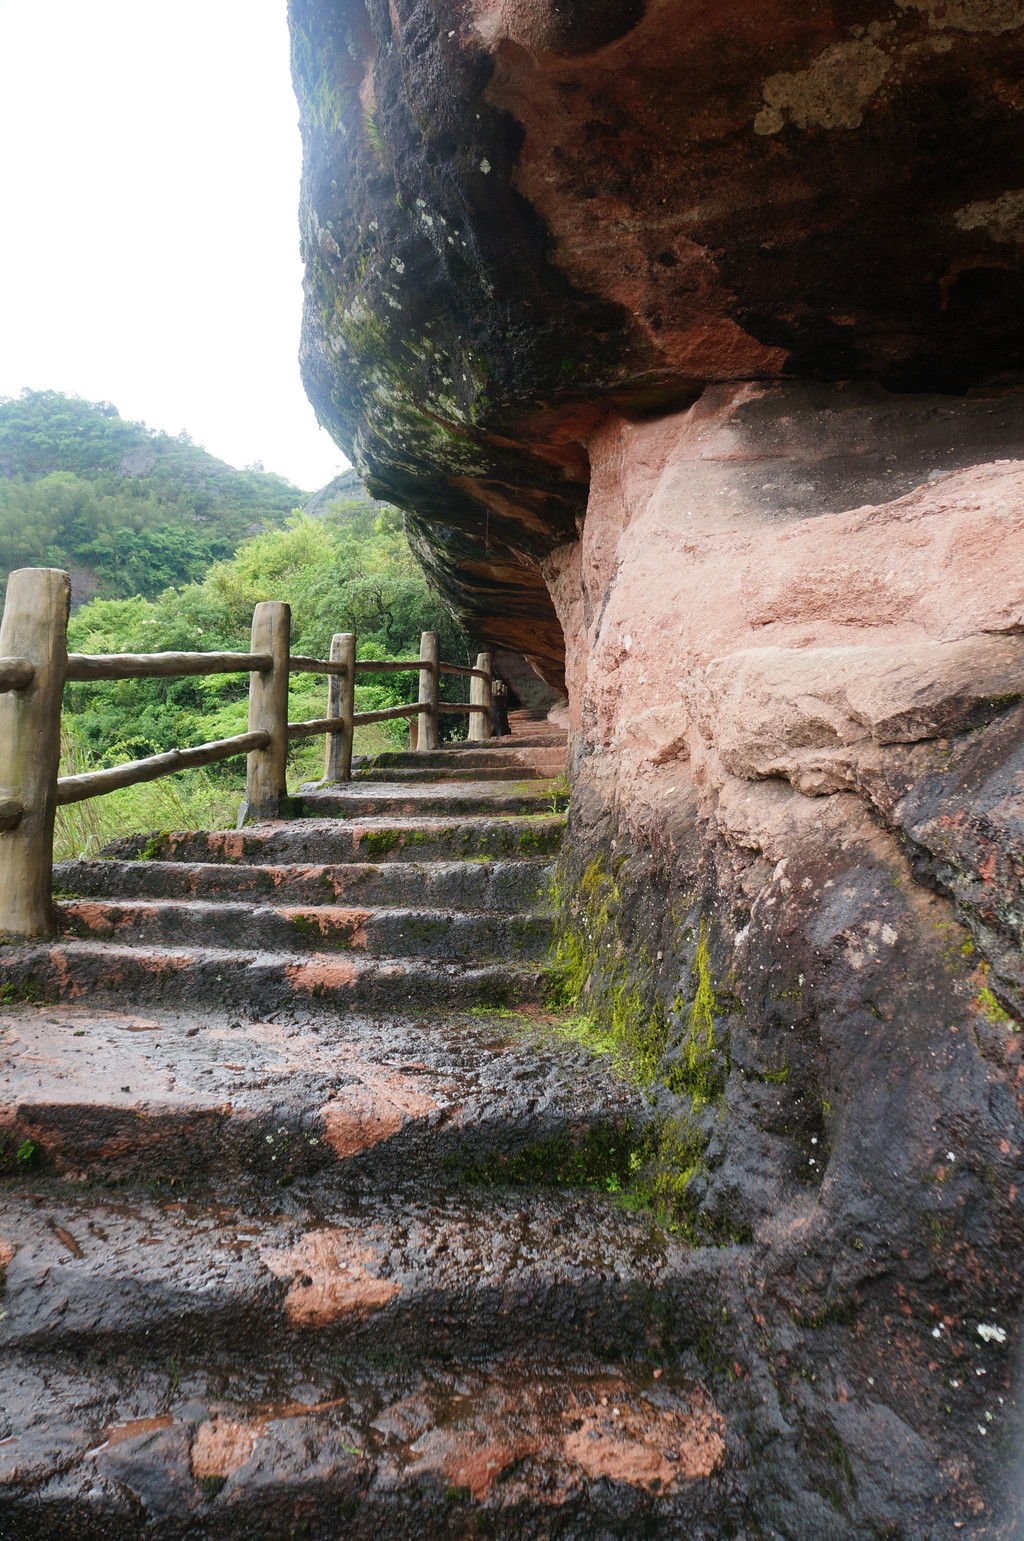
[687, 337]
[517, 214]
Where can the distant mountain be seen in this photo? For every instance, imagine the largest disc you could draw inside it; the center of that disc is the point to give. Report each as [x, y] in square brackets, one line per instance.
[344, 495]
[127, 509]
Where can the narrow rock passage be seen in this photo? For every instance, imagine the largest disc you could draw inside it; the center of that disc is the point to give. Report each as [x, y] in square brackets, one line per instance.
[265, 1269]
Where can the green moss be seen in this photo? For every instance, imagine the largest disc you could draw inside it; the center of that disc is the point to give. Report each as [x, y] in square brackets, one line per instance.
[153, 849]
[428, 836]
[990, 1008]
[373, 135]
[603, 1158]
[542, 842]
[28, 991]
[701, 1071]
[380, 842]
[309, 929]
[607, 990]
[325, 101]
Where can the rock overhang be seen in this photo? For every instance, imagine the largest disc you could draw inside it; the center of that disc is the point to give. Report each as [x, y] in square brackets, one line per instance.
[520, 216]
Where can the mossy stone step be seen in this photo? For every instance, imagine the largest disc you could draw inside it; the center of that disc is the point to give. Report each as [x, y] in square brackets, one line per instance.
[323, 928]
[462, 756]
[479, 884]
[406, 800]
[246, 979]
[443, 776]
[231, 1273]
[373, 840]
[158, 1093]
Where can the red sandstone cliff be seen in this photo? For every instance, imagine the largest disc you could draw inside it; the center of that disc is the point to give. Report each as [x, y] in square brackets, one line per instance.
[689, 337]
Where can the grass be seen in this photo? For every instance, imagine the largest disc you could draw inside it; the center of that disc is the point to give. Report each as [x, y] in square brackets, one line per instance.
[190, 800]
[197, 799]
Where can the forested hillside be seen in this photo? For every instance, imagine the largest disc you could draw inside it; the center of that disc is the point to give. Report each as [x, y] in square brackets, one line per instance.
[170, 548]
[128, 510]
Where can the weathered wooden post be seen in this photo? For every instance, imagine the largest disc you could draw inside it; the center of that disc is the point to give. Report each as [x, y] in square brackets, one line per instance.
[265, 782]
[480, 695]
[35, 630]
[430, 686]
[341, 702]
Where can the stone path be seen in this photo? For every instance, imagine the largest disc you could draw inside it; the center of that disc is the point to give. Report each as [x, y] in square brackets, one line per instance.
[267, 1272]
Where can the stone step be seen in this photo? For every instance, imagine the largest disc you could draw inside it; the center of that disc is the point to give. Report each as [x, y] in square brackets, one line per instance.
[443, 775]
[176, 1273]
[545, 738]
[224, 1445]
[380, 933]
[165, 1094]
[110, 973]
[463, 885]
[368, 840]
[456, 800]
[461, 757]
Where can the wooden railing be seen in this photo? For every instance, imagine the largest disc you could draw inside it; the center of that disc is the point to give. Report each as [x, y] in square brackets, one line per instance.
[35, 666]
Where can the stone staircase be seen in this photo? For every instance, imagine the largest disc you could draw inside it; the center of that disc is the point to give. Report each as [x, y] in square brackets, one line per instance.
[267, 1109]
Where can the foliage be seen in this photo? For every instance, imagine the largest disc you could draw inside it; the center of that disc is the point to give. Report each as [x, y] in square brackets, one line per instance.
[127, 509]
[180, 548]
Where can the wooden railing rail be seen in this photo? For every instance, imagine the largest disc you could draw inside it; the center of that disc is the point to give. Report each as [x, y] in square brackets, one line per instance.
[16, 673]
[299, 665]
[35, 666]
[75, 789]
[157, 666]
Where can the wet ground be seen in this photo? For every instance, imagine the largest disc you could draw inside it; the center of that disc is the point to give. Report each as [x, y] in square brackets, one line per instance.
[304, 1231]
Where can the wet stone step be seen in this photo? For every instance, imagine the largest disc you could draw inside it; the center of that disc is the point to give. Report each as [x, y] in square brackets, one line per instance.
[441, 776]
[382, 933]
[584, 1450]
[480, 884]
[453, 1272]
[265, 981]
[462, 756]
[530, 837]
[403, 801]
[169, 1095]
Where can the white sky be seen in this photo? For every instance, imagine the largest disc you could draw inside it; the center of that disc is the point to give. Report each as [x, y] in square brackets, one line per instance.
[149, 182]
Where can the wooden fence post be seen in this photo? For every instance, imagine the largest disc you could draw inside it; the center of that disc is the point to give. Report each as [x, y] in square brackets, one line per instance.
[341, 702]
[265, 782]
[430, 688]
[35, 627]
[480, 695]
